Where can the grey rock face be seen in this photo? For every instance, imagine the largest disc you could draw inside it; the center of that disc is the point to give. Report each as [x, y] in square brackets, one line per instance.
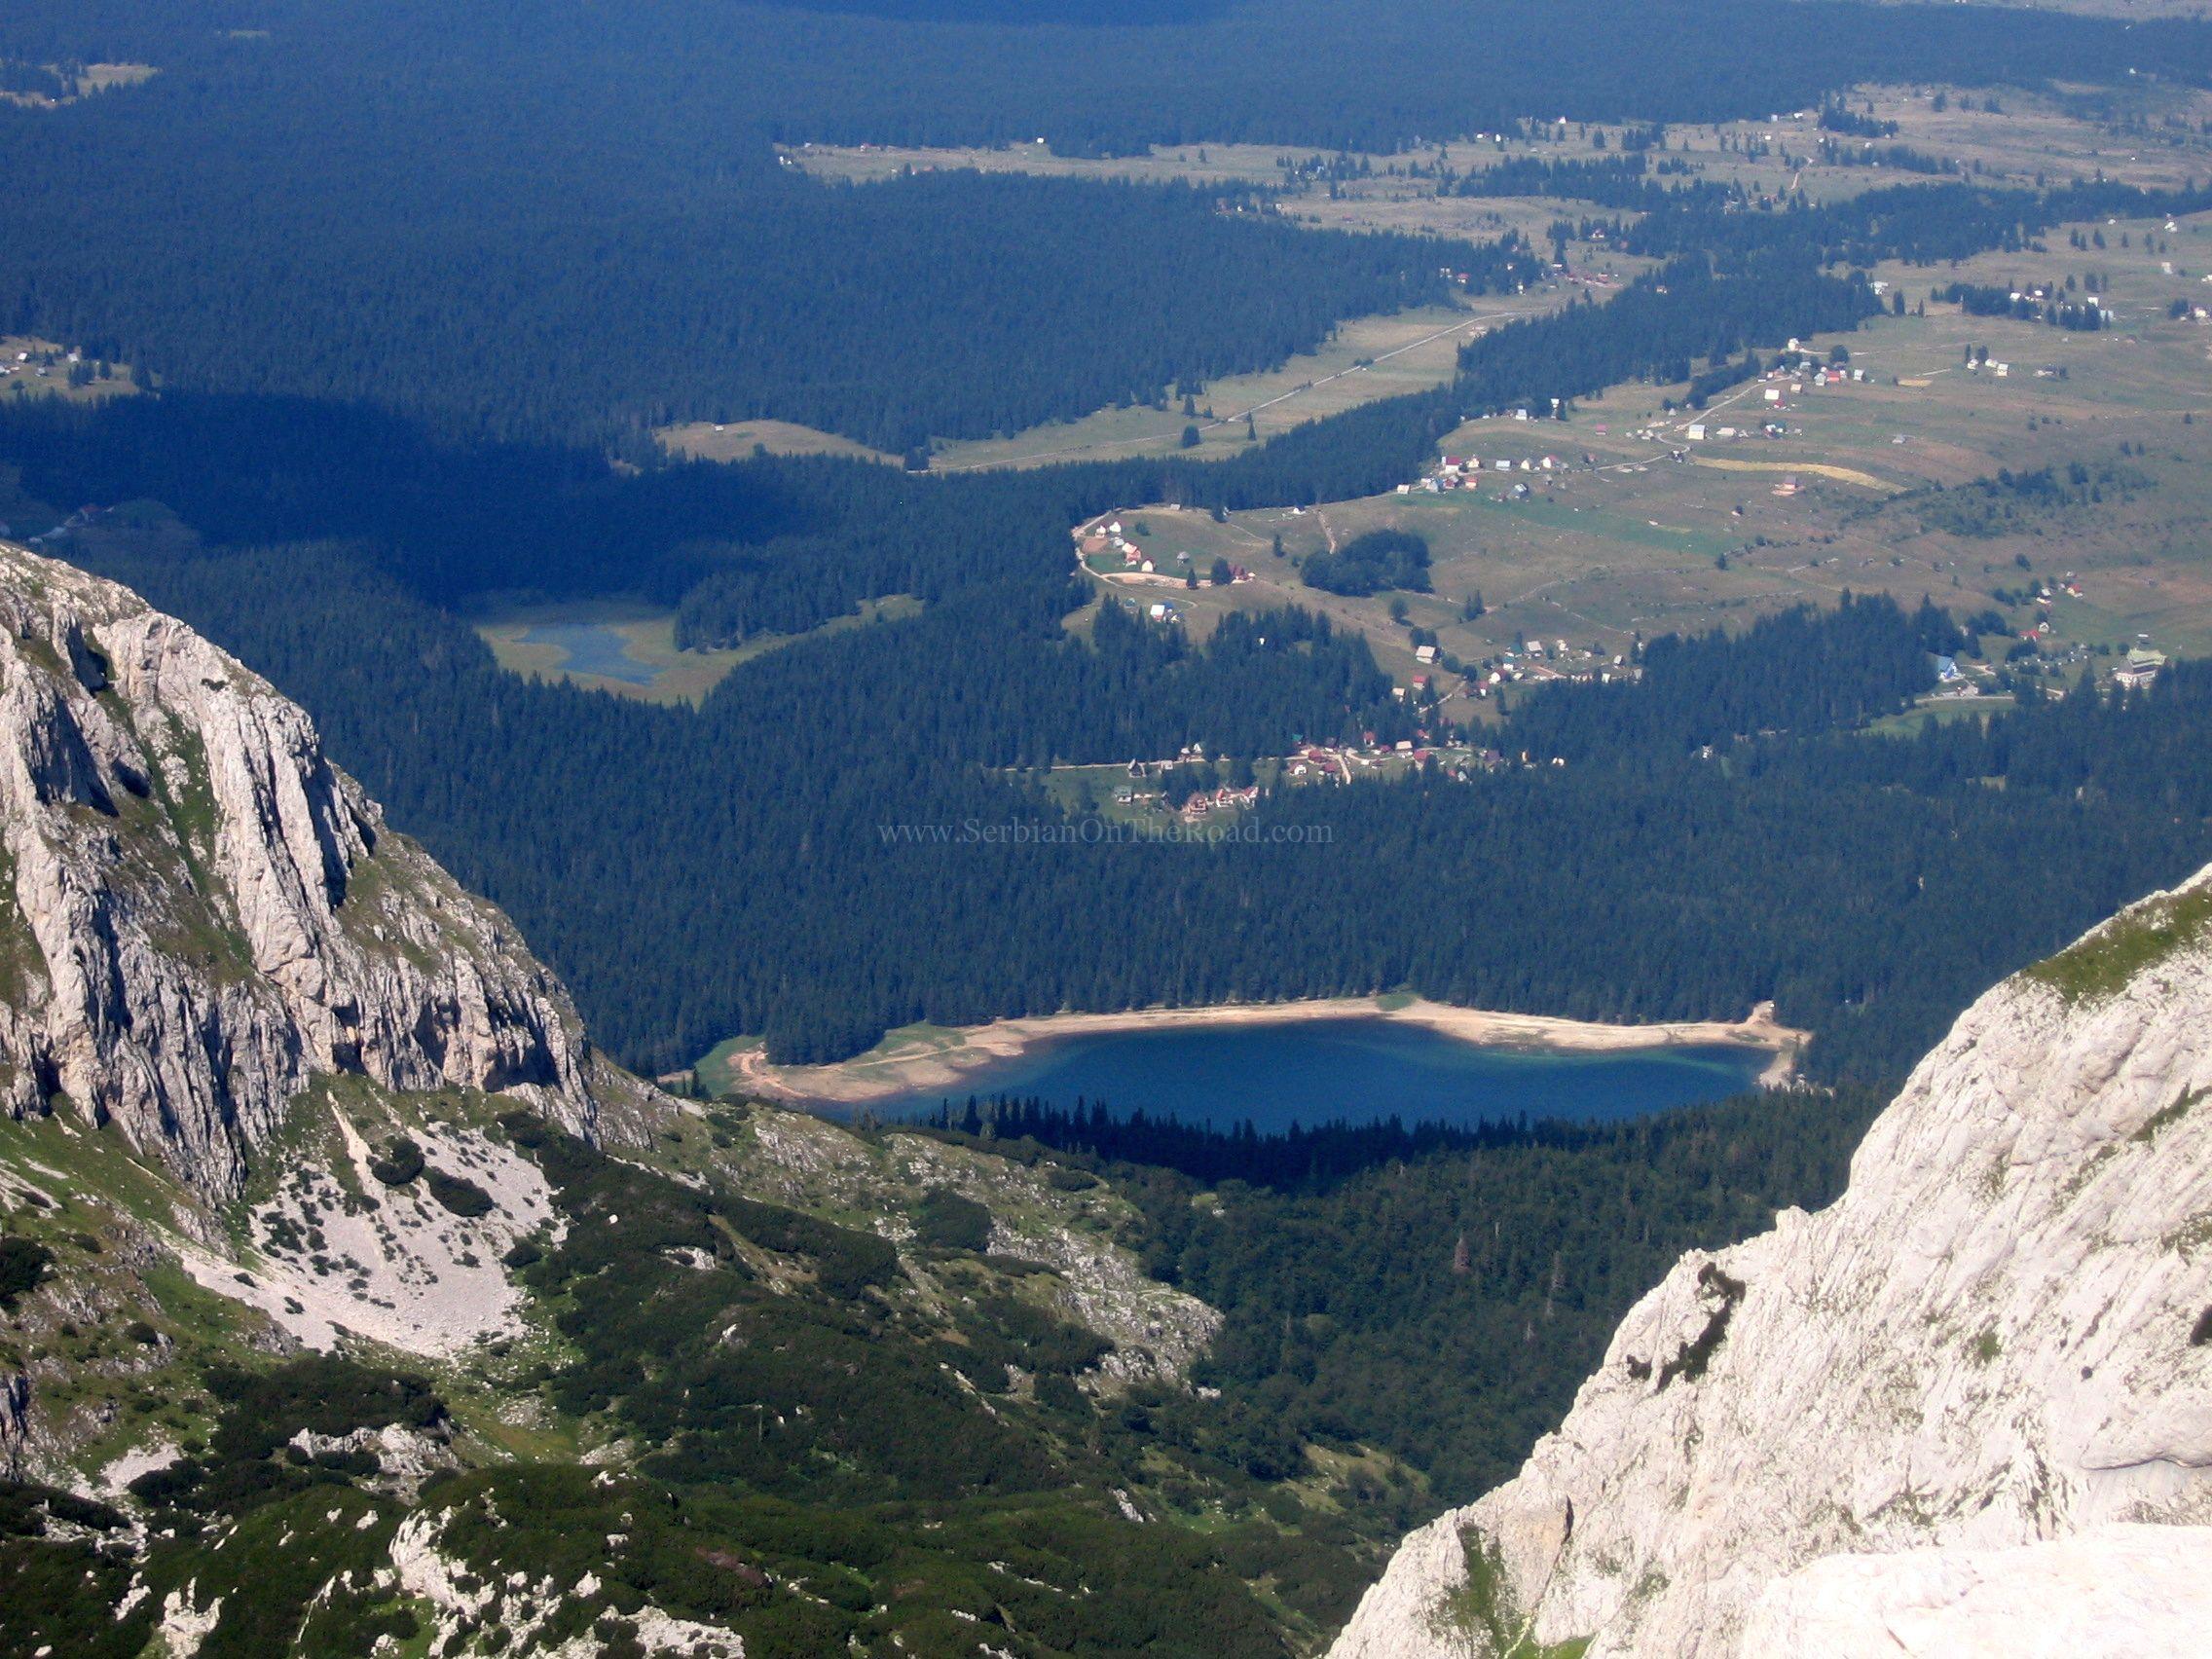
[1998, 1340]
[200, 913]
[15, 1424]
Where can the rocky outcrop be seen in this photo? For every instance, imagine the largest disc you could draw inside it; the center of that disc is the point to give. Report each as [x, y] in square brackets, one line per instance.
[14, 1423]
[459, 1600]
[1927, 1419]
[405, 1457]
[200, 913]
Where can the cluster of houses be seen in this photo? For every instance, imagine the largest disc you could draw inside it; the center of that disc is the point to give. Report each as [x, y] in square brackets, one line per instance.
[1777, 386]
[2137, 670]
[2043, 594]
[1318, 764]
[1465, 472]
[1698, 431]
[39, 369]
[1104, 541]
[1325, 763]
[23, 364]
[1092, 539]
[1532, 663]
[1201, 804]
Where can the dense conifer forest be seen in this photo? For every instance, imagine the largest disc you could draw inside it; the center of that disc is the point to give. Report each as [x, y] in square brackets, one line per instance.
[943, 305]
[1432, 1293]
[1729, 835]
[1371, 562]
[1925, 224]
[1100, 77]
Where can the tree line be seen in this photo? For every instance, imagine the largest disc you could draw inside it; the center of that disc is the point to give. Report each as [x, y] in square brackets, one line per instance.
[1375, 75]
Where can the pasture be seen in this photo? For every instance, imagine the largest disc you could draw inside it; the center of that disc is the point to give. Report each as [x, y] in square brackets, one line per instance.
[740, 440]
[34, 367]
[1620, 541]
[1368, 358]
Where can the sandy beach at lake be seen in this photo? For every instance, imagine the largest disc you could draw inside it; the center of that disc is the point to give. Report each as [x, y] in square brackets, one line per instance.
[941, 1059]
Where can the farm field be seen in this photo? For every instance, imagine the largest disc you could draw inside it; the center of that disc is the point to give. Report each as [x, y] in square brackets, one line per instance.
[1938, 710]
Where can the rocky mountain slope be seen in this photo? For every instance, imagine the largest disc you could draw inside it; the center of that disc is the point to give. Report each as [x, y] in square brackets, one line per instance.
[1966, 1409]
[351, 1304]
[198, 913]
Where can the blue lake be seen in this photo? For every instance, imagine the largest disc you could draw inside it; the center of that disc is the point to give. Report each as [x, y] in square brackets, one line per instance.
[592, 647]
[1357, 1070]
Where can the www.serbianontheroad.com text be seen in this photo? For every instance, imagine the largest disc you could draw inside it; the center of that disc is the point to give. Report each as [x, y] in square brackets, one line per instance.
[1100, 832]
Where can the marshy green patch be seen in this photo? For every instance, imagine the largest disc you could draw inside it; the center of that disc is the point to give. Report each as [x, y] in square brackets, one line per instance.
[21, 961]
[717, 1070]
[2166, 1117]
[1484, 1608]
[630, 647]
[2105, 962]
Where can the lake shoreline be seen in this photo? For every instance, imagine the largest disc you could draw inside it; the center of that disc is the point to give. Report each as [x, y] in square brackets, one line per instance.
[946, 1060]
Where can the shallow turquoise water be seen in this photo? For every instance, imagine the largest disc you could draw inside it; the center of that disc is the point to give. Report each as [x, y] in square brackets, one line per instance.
[592, 647]
[1356, 1070]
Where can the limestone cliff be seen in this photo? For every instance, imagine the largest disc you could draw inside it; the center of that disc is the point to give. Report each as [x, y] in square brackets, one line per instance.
[200, 913]
[1966, 1409]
